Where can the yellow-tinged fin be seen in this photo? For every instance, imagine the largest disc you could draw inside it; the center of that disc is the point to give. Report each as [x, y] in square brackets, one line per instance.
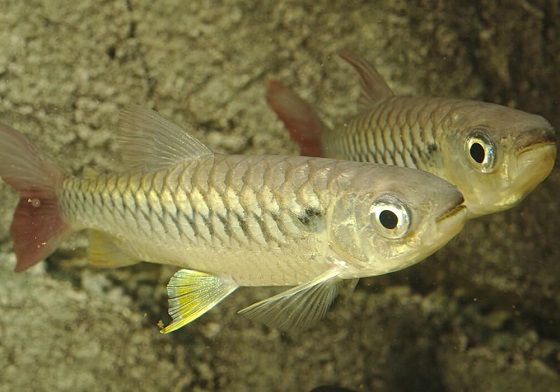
[193, 293]
[299, 307]
[105, 253]
[149, 141]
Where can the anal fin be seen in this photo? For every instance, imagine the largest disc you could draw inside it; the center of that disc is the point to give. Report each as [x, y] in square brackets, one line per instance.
[299, 307]
[104, 252]
[193, 293]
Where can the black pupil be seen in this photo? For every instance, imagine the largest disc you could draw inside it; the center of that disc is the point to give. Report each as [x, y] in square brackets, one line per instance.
[388, 219]
[477, 152]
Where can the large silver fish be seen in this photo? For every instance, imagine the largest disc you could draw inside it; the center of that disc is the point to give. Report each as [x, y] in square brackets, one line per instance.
[231, 220]
[494, 154]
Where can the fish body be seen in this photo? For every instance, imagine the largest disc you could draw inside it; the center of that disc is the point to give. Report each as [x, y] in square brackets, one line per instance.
[231, 220]
[271, 217]
[494, 154]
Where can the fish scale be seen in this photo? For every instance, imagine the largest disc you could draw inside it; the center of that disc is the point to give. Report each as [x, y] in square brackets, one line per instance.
[231, 220]
[494, 154]
[212, 214]
[407, 127]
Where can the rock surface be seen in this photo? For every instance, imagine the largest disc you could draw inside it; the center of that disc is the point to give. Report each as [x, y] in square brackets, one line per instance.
[482, 314]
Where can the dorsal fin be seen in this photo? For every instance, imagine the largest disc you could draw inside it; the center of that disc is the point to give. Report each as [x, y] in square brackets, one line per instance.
[148, 141]
[374, 87]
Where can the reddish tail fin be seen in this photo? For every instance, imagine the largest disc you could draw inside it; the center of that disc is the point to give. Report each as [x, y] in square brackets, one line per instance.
[298, 117]
[37, 227]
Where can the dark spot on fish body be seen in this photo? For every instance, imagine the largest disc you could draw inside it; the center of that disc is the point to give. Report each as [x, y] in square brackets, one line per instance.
[312, 219]
[432, 148]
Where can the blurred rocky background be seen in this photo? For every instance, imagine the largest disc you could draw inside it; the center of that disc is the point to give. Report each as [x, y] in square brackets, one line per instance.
[480, 315]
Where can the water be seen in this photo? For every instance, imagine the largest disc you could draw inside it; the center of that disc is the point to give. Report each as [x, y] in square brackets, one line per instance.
[482, 314]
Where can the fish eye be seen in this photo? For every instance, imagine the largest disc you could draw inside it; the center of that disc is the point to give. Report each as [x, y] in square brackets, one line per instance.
[390, 217]
[481, 151]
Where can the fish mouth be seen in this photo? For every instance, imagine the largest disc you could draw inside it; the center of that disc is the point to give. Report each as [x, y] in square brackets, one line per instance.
[452, 211]
[455, 209]
[533, 139]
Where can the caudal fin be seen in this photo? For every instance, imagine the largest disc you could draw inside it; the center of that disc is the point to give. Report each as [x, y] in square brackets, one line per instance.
[38, 226]
[297, 115]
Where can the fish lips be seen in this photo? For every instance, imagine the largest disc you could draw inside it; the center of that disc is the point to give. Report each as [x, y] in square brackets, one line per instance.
[535, 139]
[535, 151]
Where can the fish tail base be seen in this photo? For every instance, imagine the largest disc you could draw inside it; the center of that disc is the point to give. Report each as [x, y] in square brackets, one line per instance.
[298, 117]
[38, 226]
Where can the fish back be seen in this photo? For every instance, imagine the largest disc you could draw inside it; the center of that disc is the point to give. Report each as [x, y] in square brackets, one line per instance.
[401, 131]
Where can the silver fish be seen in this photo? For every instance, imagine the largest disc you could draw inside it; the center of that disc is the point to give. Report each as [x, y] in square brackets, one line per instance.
[231, 220]
[494, 154]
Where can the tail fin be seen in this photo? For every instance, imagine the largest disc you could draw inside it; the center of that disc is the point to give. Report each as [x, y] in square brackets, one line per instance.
[297, 115]
[38, 226]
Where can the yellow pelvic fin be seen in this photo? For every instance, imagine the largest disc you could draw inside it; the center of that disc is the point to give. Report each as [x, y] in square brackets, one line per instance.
[104, 252]
[193, 293]
[300, 307]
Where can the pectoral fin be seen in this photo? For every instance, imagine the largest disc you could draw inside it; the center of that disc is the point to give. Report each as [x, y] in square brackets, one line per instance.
[346, 289]
[299, 307]
[193, 293]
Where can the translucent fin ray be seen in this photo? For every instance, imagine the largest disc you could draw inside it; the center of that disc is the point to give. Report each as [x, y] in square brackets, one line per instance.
[374, 87]
[149, 141]
[193, 293]
[299, 307]
[299, 118]
[38, 226]
[105, 253]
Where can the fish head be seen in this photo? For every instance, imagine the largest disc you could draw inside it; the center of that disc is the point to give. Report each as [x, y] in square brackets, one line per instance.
[391, 218]
[497, 155]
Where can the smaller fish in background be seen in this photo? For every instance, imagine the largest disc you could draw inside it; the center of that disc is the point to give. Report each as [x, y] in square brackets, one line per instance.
[495, 155]
[231, 220]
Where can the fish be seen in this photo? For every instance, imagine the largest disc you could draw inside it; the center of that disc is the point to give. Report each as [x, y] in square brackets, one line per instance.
[494, 154]
[227, 221]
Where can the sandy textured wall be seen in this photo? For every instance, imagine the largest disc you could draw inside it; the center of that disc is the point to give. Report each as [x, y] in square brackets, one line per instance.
[480, 315]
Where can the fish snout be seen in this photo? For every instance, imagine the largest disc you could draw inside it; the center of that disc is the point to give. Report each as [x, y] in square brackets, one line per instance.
[533, 139]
